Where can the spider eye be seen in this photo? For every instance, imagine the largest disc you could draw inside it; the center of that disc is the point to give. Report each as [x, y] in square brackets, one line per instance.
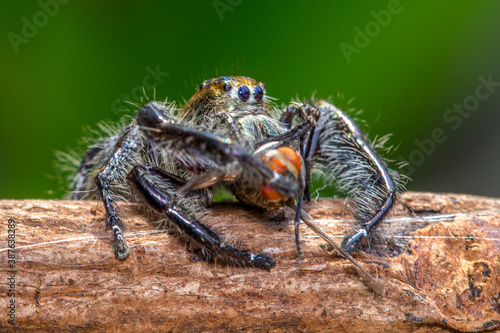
[227, 87]
[259, 93]
[244, 93]
[201, 86]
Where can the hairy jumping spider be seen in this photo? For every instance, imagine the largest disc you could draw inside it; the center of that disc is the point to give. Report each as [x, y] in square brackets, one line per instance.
[228, 135]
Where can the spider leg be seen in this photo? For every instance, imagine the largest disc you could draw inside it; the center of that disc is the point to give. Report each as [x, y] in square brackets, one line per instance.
[139, 178]
[342, 148]
[308, 160]
[300, 201]
[296, 222]
[109, 176]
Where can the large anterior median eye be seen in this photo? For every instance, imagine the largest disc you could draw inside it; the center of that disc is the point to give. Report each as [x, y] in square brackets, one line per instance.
[244, 93]
[259, 93]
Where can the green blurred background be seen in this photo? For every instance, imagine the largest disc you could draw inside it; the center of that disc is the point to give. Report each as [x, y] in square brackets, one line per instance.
[405, 70]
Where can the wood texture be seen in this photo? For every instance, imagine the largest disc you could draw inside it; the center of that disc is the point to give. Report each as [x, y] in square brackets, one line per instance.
[440, 268]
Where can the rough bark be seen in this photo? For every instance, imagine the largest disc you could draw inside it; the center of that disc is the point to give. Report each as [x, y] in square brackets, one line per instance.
[440, 268]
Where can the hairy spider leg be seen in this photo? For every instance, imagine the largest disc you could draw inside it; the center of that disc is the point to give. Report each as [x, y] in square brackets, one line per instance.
[112, 173]
[164, 203]
[342, 147]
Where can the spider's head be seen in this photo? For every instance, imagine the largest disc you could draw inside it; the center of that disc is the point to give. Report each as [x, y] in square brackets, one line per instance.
[227, 94]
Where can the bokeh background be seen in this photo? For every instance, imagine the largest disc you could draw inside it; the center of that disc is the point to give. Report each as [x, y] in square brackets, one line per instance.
[68, 64]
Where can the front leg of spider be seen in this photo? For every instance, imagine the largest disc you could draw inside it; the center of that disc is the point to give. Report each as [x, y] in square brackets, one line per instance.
[342, 150]
[140, 178]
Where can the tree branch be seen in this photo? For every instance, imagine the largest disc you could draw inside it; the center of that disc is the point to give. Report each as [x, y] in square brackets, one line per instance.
[440, 267]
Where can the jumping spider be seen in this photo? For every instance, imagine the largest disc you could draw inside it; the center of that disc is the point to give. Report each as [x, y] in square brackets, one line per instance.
[228, 135]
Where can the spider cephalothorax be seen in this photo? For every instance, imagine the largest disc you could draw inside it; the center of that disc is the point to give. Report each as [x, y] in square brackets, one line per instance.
[227, 135]
[226, 94]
